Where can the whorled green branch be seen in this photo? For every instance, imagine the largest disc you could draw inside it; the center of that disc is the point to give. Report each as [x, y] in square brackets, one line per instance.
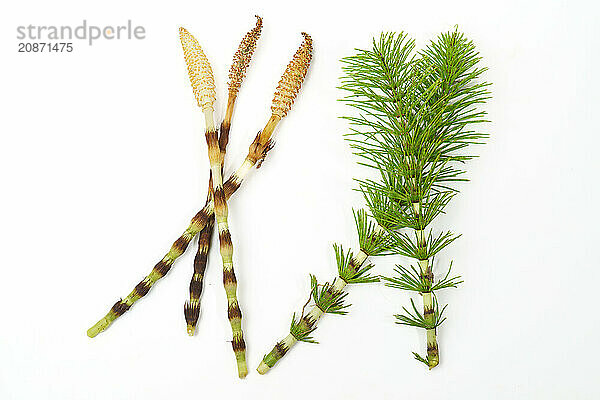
[330, 297]
[415, 118]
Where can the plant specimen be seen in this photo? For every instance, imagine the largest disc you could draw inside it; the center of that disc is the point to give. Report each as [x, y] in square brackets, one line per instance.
[284, 96]
[415, 116]
[191, 308]
[237, 72]
[330, 297]
[203, 85]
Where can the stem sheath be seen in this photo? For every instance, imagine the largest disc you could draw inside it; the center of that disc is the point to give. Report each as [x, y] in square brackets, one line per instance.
[307, 323]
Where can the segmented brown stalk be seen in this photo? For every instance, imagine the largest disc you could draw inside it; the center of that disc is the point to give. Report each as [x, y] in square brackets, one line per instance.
[285, 94]
[191, 308]
[202, 81]
[241, 61]
[257, 152]
[203, 85]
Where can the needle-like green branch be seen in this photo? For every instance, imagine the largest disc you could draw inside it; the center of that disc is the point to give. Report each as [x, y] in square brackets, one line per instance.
[414, 119]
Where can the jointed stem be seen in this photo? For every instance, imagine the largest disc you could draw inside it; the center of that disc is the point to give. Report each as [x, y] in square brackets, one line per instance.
[142, 288]
[191, 308]
[203, 84]
[226, 248]
[307, 322]
[414, 115]
[256, 153]
[237, 72]
[433, 357]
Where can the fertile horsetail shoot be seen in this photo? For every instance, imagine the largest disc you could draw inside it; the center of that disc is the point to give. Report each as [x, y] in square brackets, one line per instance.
[203, 85]
[237, 72]
[219, 190]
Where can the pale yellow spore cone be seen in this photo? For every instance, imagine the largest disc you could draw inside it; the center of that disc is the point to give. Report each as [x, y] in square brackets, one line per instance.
[199, 70]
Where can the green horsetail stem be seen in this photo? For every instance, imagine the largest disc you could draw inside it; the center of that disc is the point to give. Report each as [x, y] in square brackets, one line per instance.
[300, 331]
[374, 240]
[433, 356]
[414, 114]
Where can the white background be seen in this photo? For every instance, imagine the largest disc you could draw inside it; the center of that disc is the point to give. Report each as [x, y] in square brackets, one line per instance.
[104, 162]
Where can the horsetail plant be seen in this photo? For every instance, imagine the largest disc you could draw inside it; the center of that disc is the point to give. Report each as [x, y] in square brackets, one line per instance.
[415, 113]
[191, 308]
[202, 81]
[237, 72]
[329, 298]
[285, 94]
